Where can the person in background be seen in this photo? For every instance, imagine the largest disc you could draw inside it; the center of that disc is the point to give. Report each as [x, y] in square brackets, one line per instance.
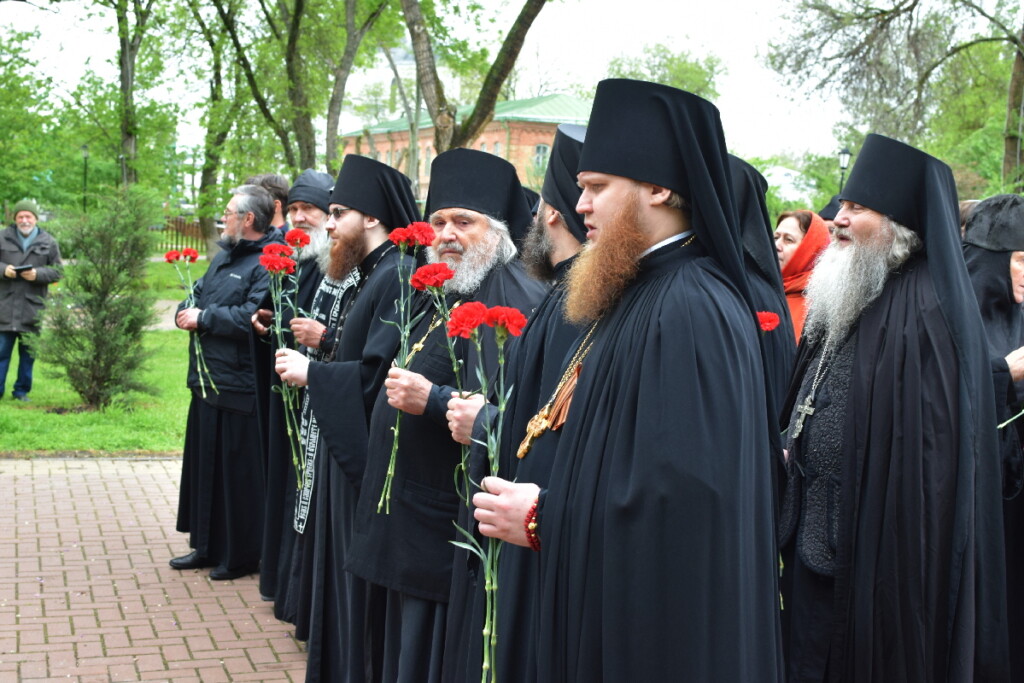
[800, 237]
[29, 263]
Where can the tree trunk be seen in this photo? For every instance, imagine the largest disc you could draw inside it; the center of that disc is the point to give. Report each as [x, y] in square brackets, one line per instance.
[353, 39]
[441, 113]
[218, 125]
[1013, 158]
[228, 21]
[129, 41]
[503, 64]
[302, 122]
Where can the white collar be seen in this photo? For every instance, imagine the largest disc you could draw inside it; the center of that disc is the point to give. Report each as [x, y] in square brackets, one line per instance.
[664, 242]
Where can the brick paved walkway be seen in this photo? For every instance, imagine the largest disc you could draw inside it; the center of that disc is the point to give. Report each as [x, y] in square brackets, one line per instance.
[86, 594]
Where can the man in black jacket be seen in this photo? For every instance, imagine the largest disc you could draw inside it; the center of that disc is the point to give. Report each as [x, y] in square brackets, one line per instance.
[29, 263]
[220, 503]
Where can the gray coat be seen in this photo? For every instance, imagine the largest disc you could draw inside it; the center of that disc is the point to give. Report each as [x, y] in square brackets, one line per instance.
[21, 300]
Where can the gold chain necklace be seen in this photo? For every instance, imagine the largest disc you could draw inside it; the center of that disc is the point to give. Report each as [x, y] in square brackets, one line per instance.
[541, 422]
[434, 323]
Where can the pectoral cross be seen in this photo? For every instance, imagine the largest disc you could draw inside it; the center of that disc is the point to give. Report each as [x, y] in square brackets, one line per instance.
[805, 409]
[537, 425]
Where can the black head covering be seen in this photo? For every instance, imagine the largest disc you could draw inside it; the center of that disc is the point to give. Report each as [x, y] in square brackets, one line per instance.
[661, 135]
[377, 190]
[918, 191]
[996, 230]
[763, 275]
[313, 187]
[997, 223]
[532, 199]
[482, 182]
[749, 188]
[829, 211]
[560, 189]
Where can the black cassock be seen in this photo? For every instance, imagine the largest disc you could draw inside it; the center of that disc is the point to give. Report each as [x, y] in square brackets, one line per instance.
[409, 551]
[279, 473]
[341, 395]
[535, 364]
[1004, 328]
[657, 554]
[918, 590]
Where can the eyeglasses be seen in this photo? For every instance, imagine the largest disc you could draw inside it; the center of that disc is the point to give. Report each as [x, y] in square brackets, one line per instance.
[336, 214]
[229, 213]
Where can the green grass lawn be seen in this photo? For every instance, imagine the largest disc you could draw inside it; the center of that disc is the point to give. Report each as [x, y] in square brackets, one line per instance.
[165, 284]
[143, 423]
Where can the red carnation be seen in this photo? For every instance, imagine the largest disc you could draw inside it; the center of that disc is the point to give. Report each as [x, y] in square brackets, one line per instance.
[418, 234]
[277, 264]
[403, 237]
[276, 249]
[190, 254]
[512, 319]
[767, 320]
[466, 318]
[423, 232]
[172, 256]
[431, 275]
[297, 238]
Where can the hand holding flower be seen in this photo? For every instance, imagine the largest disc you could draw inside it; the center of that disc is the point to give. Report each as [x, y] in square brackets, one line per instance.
[188, 318]
[461, 415]
[501, 507]
[407, 391]
[292, 367]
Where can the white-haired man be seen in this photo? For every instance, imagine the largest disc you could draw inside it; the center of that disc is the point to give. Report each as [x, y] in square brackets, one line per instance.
[476, 207]
[892, 523]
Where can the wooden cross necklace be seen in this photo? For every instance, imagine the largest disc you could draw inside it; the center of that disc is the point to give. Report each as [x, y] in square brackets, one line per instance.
[806, 409]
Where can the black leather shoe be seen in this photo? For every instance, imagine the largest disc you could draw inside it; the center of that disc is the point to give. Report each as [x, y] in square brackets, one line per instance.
[190, 561]
[222, 573]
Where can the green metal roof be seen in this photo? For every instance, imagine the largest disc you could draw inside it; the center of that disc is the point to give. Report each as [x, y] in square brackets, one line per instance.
[545, 109]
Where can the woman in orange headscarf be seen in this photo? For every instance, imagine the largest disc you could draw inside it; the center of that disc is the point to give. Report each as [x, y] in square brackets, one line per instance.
[800, 237]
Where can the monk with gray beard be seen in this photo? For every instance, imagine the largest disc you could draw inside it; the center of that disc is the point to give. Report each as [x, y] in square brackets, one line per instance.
[477, 209]
[891, 524]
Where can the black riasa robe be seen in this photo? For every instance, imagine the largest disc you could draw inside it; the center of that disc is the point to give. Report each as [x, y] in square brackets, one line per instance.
[919, 587]
[408, 551]
[657, 554]
[279, 472]
[1004, 328]
[536, 361]
[341, 395]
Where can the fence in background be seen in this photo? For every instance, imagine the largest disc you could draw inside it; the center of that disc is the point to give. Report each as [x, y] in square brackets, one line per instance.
[180, 232]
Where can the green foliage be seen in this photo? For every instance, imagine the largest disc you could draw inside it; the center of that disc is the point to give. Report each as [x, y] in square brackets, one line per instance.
[966, 129]
[678, 69]
[25, 119]
[92, 325]
[151, 422]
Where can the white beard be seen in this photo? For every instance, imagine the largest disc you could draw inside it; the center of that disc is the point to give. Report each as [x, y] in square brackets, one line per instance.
[844, 282]
[318, 249]
[477, 261]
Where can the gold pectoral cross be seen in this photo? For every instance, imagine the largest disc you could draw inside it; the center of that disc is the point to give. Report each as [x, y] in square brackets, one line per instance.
[805, 409]
[537, 425]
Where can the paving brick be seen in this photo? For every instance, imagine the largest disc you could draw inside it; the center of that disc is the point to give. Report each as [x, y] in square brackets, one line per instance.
[86, 593]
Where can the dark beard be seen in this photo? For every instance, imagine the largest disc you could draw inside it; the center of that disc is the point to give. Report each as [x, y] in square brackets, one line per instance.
[347, 252]
[604, 269]
[536, 252]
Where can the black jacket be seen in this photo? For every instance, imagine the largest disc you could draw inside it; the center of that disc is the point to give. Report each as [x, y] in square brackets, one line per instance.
[227, 296]
[21, 300]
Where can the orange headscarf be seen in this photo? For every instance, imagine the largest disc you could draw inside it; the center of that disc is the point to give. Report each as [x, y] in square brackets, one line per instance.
[797, 270]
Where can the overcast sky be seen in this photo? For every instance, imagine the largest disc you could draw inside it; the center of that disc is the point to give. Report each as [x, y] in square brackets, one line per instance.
[573, 40]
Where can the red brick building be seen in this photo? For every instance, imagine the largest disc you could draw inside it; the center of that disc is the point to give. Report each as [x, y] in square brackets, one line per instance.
[521, 132]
